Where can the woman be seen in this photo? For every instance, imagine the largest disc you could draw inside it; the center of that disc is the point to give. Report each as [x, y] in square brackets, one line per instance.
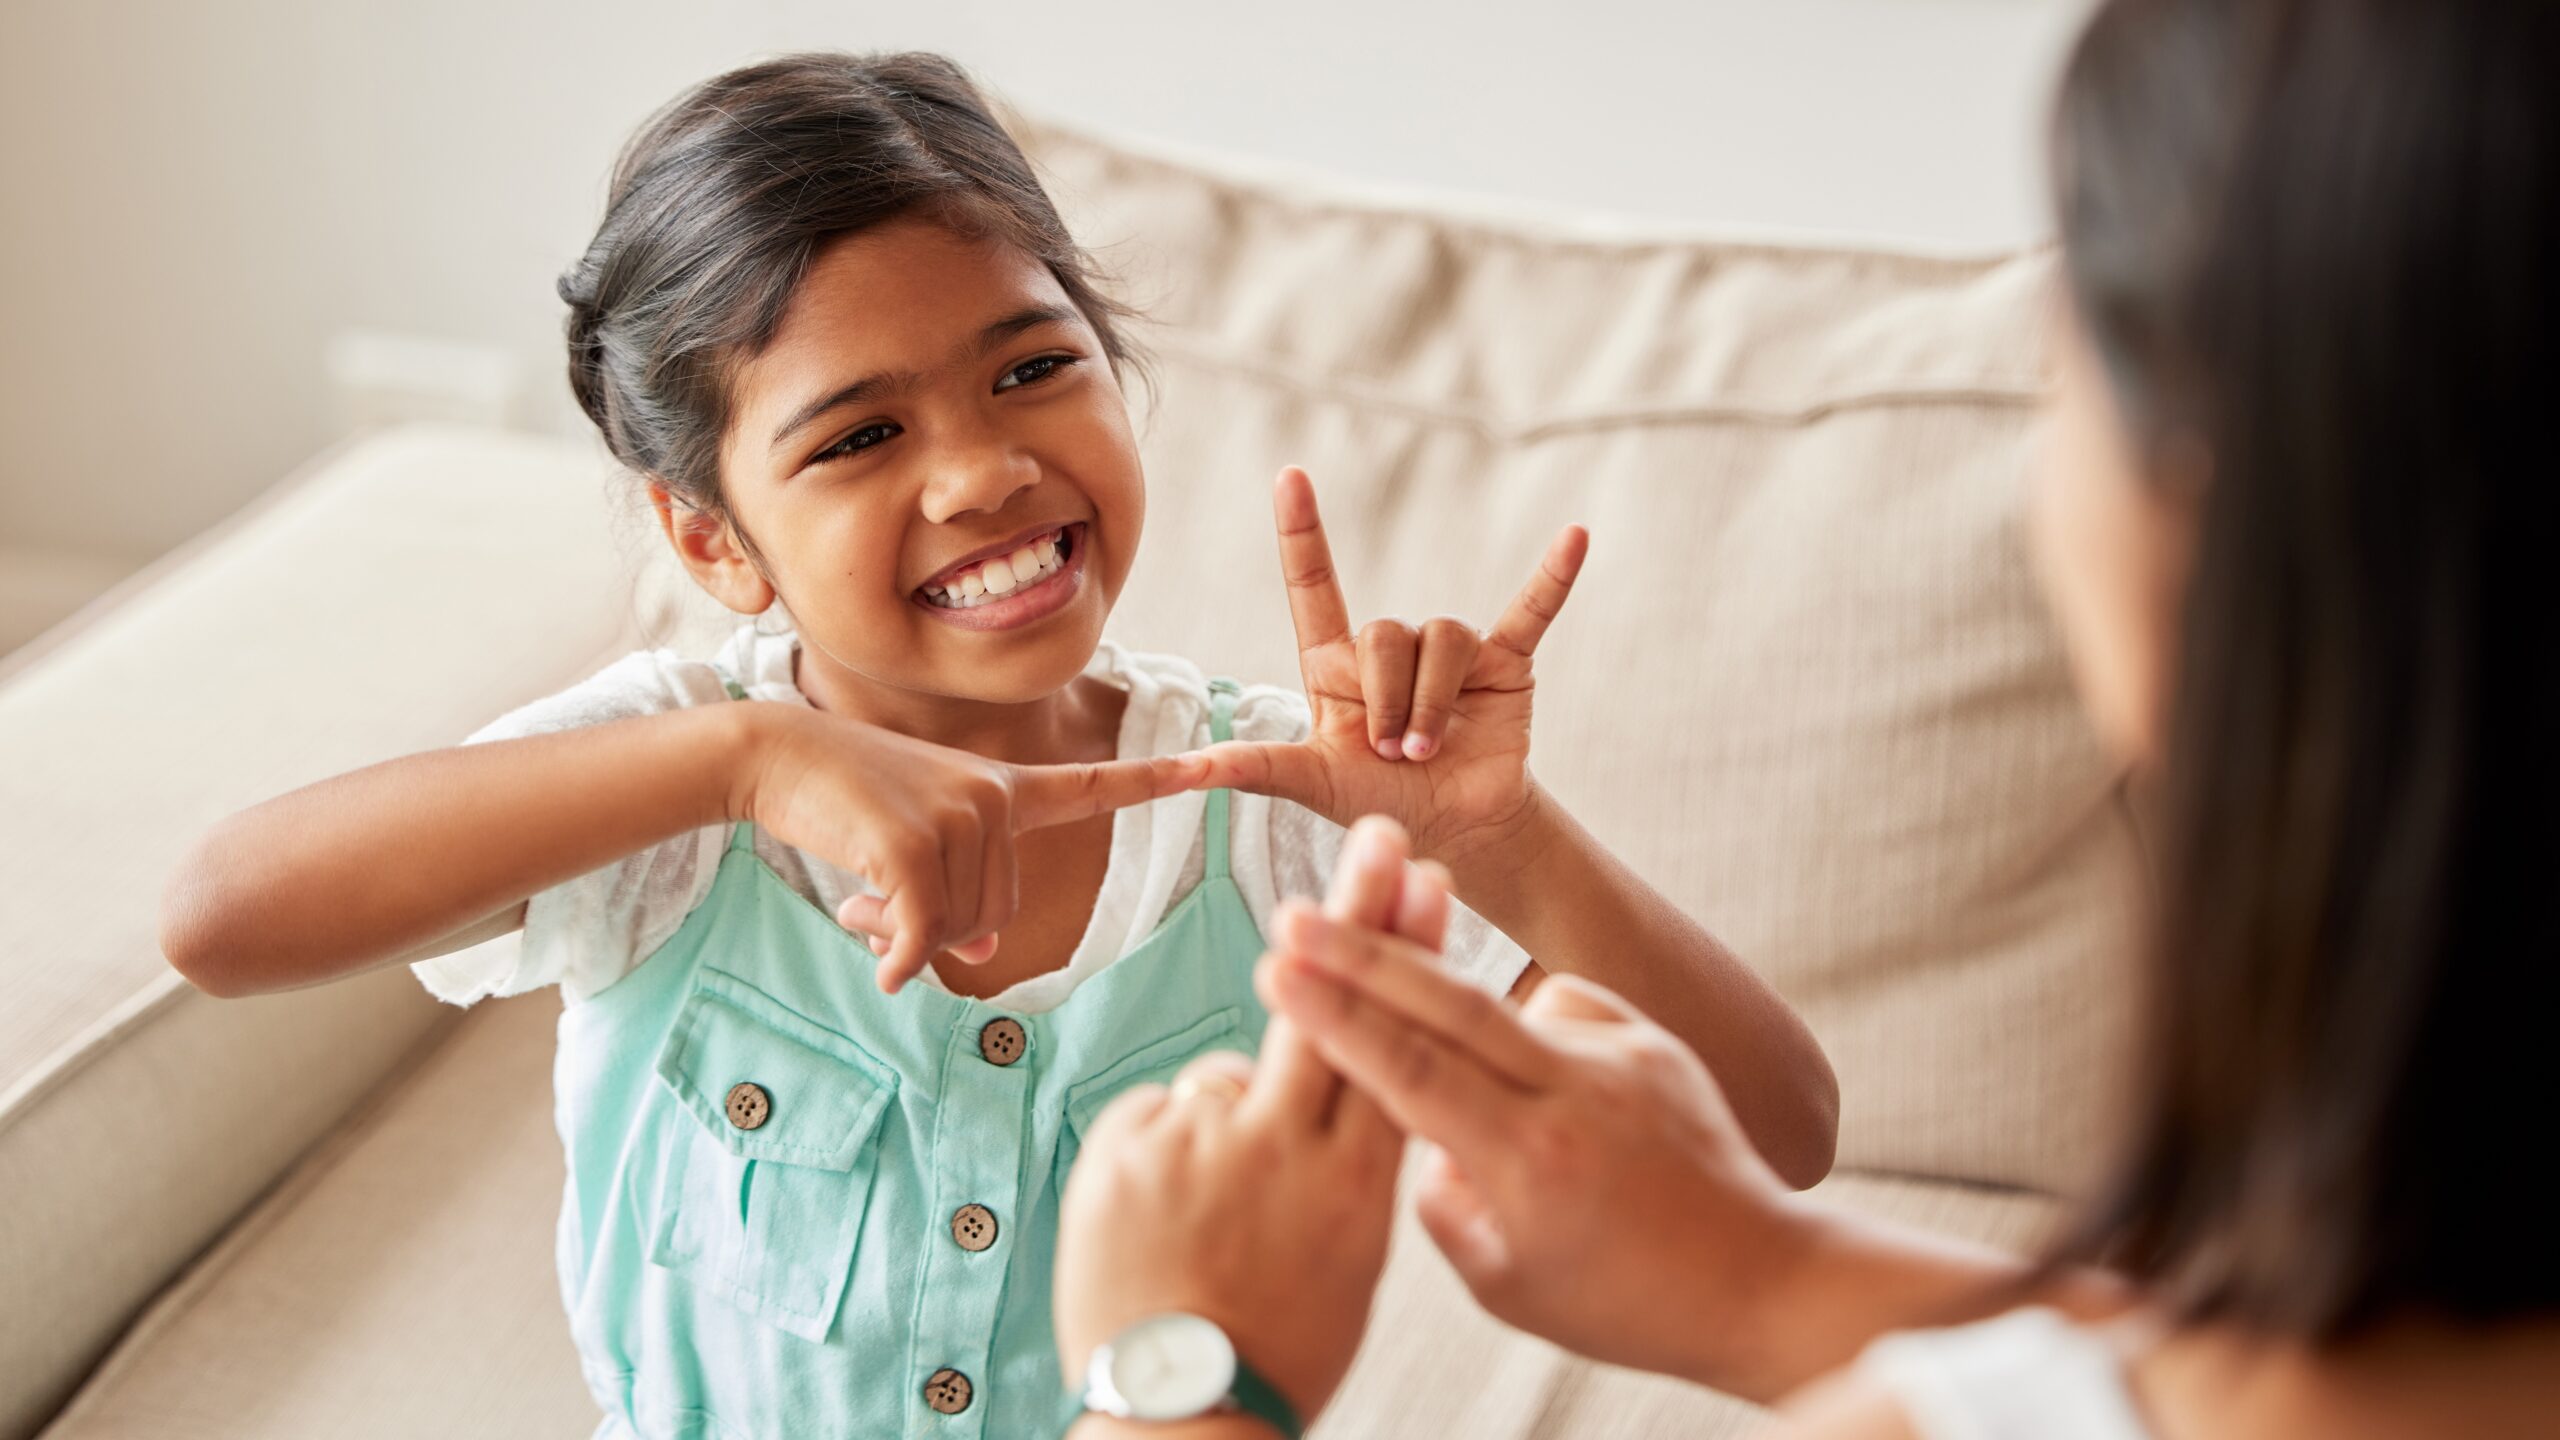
[2293, 525]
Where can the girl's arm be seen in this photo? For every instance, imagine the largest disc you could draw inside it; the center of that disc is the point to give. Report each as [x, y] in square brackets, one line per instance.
[421, 855]
[1430, 725]
[1567, 900]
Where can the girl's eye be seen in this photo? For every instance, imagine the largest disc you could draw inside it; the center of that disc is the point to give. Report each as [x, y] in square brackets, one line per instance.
[862, 439]
[1032, 372]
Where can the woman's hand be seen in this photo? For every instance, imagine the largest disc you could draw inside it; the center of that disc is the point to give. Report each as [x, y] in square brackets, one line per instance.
[930, 828]
[1258, 1195]
[1428, 724]
[1589, 1182]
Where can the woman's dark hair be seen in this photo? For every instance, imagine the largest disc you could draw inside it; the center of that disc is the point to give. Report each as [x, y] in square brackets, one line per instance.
[2316, 242]
[724, 198]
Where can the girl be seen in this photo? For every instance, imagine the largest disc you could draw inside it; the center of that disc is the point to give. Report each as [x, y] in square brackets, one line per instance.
[871, 389]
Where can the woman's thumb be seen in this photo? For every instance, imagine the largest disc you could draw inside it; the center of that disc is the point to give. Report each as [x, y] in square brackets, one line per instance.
[1453, 1212]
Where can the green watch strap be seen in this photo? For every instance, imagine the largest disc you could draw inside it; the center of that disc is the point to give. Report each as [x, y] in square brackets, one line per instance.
[1255, 1397]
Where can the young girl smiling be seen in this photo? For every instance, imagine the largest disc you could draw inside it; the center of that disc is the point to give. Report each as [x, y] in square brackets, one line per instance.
[833, 323]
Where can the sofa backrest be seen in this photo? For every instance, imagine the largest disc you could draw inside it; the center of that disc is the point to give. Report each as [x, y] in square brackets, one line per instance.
[1806, 684]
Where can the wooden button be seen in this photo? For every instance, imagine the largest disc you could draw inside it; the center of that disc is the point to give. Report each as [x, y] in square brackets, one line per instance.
[974, 1226]
[748, 1105]
[948, 1391]
[1002, 1041]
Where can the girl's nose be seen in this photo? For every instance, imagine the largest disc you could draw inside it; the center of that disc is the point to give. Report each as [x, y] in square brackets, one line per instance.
[980, 475]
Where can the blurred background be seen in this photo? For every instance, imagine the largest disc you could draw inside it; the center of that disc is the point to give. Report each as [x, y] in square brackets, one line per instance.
[235, 232]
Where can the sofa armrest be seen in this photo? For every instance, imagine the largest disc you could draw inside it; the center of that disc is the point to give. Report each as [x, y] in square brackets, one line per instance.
[390, 598]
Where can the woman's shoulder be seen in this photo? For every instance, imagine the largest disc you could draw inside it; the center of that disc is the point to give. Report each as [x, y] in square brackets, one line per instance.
[2032, 1372]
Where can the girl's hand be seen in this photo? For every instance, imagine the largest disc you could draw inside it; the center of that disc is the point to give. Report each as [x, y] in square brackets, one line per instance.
[1589, 1182]
[1257, 1194]
[1429, 725]
[930, 828]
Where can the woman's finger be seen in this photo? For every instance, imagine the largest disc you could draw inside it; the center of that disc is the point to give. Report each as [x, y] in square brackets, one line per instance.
[1524, 623]
[1448, 652]
[1427, 1086]
[1406, 981]
[1387, 650]
[1215, 1082]
[1422, 906]
[1292, 1086]
[1132, 1108]
[1369, 876]
[1298, 1087]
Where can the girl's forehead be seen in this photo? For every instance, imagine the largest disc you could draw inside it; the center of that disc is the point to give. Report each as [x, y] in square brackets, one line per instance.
[906, 282]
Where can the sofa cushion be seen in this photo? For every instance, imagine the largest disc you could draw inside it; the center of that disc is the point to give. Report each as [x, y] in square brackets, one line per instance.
[399, 1283]
[1806, 684]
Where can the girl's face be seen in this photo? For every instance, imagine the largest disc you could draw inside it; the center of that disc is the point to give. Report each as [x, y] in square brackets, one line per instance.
[2111, 542]
[934, 462]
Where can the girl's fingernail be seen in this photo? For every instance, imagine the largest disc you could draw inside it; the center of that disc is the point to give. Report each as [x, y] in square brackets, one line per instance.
[1417, 747]
[1387, 750]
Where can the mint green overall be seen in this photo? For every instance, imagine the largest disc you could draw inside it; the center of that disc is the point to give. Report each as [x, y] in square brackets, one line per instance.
[797, 1207]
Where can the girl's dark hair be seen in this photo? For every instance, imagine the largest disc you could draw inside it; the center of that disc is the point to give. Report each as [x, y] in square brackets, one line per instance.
[724, 198]
[2319, 238]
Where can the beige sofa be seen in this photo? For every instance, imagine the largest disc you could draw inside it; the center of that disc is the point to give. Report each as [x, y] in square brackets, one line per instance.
[1806, 685]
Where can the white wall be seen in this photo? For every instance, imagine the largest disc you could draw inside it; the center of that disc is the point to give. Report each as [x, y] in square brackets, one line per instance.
[199, 196]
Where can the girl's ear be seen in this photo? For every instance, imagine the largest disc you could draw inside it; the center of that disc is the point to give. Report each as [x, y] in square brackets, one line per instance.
[713, 552]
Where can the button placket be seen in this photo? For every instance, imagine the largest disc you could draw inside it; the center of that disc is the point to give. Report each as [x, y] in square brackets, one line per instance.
[976, 1164]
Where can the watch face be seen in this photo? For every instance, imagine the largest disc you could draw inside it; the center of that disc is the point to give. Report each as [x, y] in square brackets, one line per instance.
[1172, 1367]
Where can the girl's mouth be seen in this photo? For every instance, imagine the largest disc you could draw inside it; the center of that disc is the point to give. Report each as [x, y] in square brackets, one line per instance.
[1027, 583]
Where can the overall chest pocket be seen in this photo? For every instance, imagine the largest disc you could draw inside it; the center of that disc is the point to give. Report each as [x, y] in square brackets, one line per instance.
[774, 1143]
[1155, 1063]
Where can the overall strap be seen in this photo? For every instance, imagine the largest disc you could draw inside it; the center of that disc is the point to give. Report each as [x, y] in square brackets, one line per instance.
[744, 836]
[1222, 723]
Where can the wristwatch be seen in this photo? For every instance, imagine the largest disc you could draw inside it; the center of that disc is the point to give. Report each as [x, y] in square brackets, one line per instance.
[1178, 1366]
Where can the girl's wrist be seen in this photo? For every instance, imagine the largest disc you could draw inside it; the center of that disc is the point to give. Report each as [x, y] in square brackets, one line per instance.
[750, 738]
[1495, 855]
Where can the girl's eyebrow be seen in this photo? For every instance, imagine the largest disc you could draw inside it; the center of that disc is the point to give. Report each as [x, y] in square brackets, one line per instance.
[885, 383]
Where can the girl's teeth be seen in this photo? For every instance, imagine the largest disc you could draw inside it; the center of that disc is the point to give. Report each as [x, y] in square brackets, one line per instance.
[1003, 575]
